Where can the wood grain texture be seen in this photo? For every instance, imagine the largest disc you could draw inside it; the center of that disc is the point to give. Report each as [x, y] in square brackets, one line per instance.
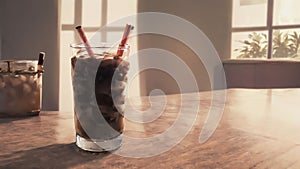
[259, 129]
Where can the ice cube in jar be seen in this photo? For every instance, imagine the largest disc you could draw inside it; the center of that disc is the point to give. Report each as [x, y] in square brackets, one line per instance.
[20, 93]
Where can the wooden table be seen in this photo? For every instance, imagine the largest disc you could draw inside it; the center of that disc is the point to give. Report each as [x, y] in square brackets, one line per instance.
[260, 128]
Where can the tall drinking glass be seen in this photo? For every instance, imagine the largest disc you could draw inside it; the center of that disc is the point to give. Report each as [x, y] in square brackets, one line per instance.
[98, 86]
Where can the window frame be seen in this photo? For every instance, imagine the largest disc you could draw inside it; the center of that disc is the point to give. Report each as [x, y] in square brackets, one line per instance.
[78, 21]
[269, 27]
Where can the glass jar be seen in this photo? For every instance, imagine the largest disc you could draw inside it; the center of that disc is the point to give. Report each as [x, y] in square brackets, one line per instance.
[20, 88]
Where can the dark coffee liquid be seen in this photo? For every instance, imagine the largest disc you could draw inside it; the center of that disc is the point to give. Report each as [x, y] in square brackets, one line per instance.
[110, 82]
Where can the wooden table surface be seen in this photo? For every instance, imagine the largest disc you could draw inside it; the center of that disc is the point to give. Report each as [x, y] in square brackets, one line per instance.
[260, 128]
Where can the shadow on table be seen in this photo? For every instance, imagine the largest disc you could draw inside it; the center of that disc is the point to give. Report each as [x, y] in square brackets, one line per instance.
[8, 119]
[11, 119]
[52, 156]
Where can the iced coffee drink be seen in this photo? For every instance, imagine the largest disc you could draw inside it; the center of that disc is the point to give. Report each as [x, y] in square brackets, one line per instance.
[20, 88]
[99, 83]
[99, 77]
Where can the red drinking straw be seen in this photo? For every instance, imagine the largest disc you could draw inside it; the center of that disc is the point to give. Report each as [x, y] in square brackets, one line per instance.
[85, 41]
[127, 30]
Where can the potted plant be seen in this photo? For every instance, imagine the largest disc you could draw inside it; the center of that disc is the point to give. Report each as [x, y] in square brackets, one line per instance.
[285, 45]
[255, 47]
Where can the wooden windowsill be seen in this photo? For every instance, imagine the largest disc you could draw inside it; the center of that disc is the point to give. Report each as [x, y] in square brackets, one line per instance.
[259, 61]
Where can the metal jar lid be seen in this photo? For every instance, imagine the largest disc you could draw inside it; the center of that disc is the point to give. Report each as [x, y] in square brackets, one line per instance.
[18, 66]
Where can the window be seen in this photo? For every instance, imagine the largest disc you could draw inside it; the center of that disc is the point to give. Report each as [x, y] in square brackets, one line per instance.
[91, 14]
[265, 29]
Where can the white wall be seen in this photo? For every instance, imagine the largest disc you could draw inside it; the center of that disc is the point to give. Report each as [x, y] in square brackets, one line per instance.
[28, 27]
[213, 17]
